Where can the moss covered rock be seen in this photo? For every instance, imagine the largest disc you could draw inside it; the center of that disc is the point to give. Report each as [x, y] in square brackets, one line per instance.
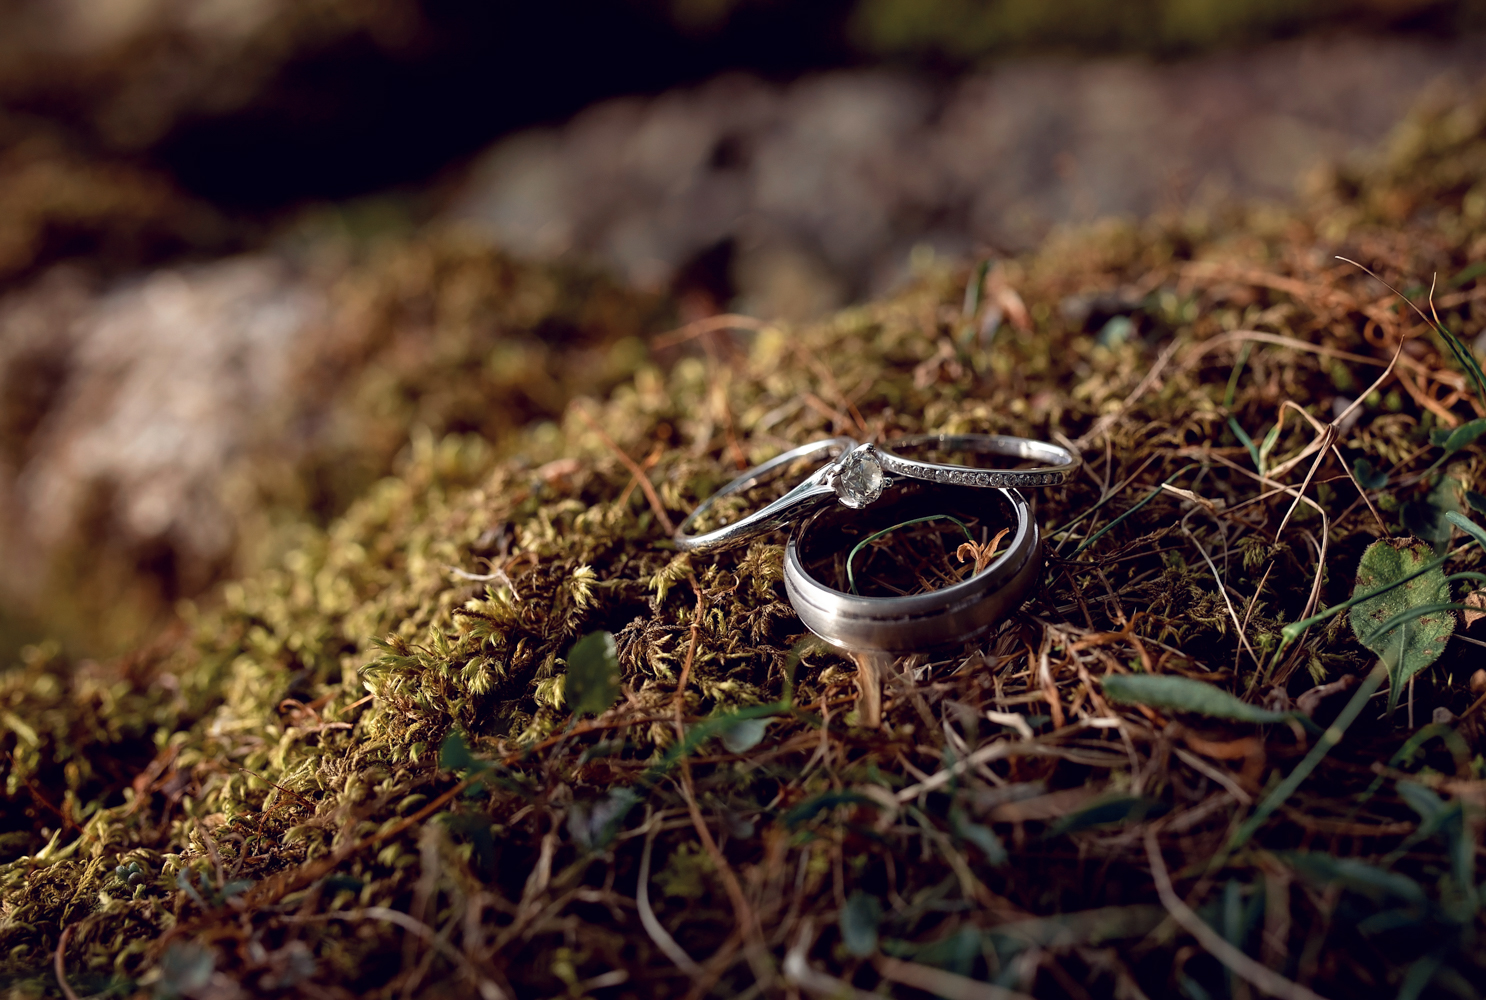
[259, 803]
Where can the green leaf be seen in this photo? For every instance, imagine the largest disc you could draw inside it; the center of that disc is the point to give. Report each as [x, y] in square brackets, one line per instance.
[234, 888]
[1464, 435]
[1423, 801]
[1368, 477]
[592, 684]
[805, 811]
[1428, 518]
[185, 970]
[1121, 809]
[982, 837]
[1116, 331]
[335, 883]
[594, 824]
[1465, 524]
[744, 734]
[1476, 501]
[1473, 271]
[1355, 876]
[1183, 694]
[454, 755]
[1419, 976]
[187, 884]
[708, 728]
[1246, 441]
[859, 920]
[1424, 520]
[1464, 358]
[1410, 646]
[1270, 440]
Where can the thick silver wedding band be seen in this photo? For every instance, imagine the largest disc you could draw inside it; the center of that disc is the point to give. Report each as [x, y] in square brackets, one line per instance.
[945, 617]
[816, 491]
[1055, 461]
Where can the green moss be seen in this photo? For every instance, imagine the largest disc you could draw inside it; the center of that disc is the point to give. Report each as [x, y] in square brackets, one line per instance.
[287, 734]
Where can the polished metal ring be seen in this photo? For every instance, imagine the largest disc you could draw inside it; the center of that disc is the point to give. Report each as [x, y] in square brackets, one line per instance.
[949, 616]
[1056, 462]
[851, 476]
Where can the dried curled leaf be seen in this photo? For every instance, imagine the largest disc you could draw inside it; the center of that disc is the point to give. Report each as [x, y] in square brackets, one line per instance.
[1409, 645]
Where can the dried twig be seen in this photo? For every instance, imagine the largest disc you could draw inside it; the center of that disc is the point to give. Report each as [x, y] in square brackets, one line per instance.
[634, 468]
[59, 963]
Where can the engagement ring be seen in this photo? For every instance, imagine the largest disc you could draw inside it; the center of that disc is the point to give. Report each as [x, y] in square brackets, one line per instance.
[851, 476]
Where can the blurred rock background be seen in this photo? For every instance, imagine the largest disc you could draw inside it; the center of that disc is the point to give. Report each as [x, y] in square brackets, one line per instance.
[252, 251]
[799, 197]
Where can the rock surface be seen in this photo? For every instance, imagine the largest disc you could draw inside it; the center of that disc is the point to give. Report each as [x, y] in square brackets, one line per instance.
[813, 193]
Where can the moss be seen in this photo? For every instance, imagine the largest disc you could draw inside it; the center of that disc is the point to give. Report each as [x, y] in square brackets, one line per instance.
[288, 736]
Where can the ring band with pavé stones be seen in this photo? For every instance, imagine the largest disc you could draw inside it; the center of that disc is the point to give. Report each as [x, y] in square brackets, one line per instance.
[1054, 462]
[851, 476]
[945, 617]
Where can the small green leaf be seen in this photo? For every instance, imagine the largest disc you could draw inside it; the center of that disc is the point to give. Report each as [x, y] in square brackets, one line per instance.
[1424, 520]
[1356, 876]
[1465, 524]
[1409, 647]
[1476, 501]
[234, 888]
[1464, 435]
[1421, 973]
[805, 811]
[454, 755]
[1428, 518]
[1116, 331]
[185, 970]
[744, 734]
[187, 884]
[1114, 809]
[1368, 477]
[595, 824]
[982, 837]
[1423, 801]
[1246, 441]
[592, 684]
[1468, 274]
[1183, 694]
[1270, 440]
[859, 920]
[336, 883]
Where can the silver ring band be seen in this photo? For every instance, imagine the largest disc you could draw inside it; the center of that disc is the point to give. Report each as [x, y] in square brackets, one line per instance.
[1056, 462]
[815, 492]
[948, 616]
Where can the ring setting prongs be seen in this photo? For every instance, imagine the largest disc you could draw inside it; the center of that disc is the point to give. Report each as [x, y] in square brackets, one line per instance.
[857, 477]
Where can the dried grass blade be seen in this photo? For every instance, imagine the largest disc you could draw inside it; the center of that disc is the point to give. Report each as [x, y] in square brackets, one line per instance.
[1243, 966]
[941, 982]
[634, 469]
[653, 926]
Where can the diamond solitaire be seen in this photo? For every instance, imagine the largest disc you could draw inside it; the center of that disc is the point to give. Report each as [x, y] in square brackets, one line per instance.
[858, 480]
